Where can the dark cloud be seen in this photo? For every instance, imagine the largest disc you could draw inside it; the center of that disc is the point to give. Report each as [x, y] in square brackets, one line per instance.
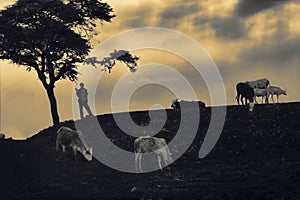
[201, 20]
[138, 16]
[246, 8]
[228, 27]
[273, 53]
[225, 27]
[172, 15]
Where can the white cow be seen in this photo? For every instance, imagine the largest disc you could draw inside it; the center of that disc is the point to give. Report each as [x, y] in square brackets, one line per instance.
[68, 137]
[147, 144]
[260, 93]
[275, 90]
[260, 83]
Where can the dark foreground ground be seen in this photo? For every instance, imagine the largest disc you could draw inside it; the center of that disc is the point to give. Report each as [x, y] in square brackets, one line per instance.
[256, 157]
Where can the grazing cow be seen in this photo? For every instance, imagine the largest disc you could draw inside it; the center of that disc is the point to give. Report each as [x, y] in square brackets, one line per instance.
[244, 91]
[68, 137]
[176, 104]
[260, 93]
[147, 144]
[2, 136]
[260, 83]
[275, 90]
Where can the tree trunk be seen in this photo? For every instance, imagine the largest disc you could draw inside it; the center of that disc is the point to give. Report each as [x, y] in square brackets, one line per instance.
[53, 105]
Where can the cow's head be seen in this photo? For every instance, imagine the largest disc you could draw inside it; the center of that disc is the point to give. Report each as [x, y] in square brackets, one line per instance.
[251, 106]
[284, 92]
[87, 153]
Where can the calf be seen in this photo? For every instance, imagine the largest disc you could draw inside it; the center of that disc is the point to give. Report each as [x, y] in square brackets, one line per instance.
[147, 144]
[260, 93]
[68, 137]
[275, 90]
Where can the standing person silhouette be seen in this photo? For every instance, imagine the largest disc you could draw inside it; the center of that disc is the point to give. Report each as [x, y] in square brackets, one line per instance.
[82, 95]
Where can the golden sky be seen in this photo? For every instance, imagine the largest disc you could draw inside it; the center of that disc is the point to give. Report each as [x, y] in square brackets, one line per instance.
[247, 41]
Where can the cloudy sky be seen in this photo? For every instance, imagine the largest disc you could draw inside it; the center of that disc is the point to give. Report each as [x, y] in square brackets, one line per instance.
[246, 39]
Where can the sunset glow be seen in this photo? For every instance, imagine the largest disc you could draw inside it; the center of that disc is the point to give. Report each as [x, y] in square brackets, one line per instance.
[247, 42]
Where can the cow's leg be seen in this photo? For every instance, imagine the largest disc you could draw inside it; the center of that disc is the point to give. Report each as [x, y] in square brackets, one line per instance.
[170, 160]
[244, 101]
[74, 151]
[267, 97]
[159, 161]
[277, 98]
[136, 161]
[165, 156]
[57, 146]
[255, 100]
[169, 155]
[140, 162]
[264, 99]
[273, 98]
[63, 148]
[166, 160]
[238, 98]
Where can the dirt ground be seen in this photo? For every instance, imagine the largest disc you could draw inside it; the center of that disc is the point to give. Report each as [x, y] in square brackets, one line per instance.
[256, 157]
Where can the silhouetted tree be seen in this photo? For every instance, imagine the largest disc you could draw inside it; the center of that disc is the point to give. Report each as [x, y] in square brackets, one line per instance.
[50, 37]
[117, 55]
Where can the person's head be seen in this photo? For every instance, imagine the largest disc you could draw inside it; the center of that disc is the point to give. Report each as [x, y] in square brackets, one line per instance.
[81, 85]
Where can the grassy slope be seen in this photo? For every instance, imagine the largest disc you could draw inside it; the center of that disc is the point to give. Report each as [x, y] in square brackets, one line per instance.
[256, 157]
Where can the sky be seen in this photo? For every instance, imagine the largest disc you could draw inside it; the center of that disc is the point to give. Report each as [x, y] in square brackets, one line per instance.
[247, 40]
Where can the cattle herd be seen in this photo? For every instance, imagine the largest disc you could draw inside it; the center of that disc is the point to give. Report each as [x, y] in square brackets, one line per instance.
[67, 137]
[247, 91]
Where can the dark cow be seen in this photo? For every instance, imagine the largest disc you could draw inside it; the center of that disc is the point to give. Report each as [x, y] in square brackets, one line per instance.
[176, 104]
[244, 91]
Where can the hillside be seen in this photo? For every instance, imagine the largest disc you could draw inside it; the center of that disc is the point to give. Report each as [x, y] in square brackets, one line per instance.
[256, 157]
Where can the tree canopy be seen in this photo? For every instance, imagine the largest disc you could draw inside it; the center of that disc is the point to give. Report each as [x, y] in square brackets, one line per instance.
[51, 37]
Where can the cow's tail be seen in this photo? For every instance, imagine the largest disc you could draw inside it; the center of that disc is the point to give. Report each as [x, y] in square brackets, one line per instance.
[135, 145]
